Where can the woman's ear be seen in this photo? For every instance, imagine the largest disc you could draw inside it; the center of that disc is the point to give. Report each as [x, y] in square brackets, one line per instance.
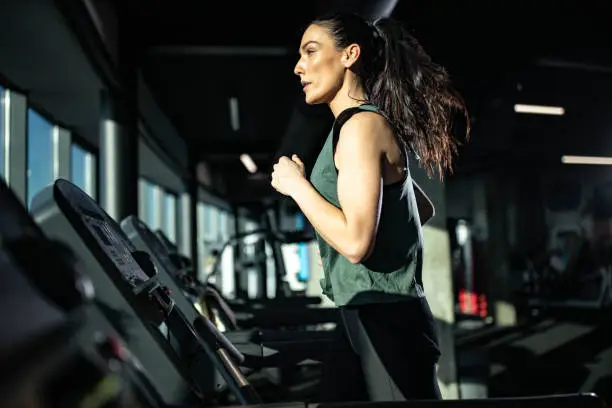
[350, 55]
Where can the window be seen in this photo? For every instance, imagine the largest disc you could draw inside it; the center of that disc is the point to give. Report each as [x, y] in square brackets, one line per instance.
[222, 232]
[148, 206]
[170, 218]
[83, 169]
[1, 131]
[230, 225]
[158, 208]
[303, 251]
[207, 222]
[227, 281]
[201, 237]
[213, 224]
[40, 154]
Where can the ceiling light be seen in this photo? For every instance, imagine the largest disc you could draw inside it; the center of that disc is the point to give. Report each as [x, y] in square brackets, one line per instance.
[539, 110]
[234, 118]
[248, 163]
[586, 160]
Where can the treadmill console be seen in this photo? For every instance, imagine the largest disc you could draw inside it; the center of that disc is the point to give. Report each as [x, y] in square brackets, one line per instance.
[126, 282]
[103, 229]
[113, 246]
[151, 241]
[46, 344]
[23, 311]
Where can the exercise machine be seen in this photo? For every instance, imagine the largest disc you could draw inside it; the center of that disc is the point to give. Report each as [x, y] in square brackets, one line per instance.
[248, 313]
[273, 347]
[176, 352]
[49, 354]
[250, 253]
[105, 250]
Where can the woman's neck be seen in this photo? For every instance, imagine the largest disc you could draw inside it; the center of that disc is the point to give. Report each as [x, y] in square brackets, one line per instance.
[351, 94]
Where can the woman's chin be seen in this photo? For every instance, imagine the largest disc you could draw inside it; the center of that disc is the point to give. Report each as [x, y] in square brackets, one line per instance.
[313, 100]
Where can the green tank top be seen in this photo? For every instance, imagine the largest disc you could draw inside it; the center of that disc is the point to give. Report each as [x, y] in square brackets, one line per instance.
[393, 271]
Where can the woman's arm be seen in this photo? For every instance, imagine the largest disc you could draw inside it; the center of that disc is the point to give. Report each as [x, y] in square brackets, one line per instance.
[352, 230]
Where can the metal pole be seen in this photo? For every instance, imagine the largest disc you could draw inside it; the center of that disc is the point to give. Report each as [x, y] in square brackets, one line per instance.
[119, 128]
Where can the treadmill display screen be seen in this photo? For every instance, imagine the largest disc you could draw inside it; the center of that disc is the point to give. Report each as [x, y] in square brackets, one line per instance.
[109, 237]
[116, 250]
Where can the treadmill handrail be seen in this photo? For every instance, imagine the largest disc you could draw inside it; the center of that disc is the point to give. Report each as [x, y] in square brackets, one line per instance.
[211, 292]
[267, 233]
[203, 325]
[230, 241]
[209, 341]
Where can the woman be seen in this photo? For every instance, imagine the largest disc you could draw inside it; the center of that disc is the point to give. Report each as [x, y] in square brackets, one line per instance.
[388, 98]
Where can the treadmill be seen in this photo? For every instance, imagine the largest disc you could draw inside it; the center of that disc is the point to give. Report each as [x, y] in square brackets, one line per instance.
[105, 250]
[262, 348]
[273, 313]
[47, 355]
[176, 354]
[185, 265]
[275, 239]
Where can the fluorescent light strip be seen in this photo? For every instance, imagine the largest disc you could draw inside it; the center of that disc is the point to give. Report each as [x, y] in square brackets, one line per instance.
[248, 163]
[539, 110]
[605, 161]
[234, 118]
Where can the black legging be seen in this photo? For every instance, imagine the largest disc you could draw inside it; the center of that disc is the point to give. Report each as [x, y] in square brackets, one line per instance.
[383, 352]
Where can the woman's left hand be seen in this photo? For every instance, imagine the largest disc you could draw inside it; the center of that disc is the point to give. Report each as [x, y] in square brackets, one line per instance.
[287, 173]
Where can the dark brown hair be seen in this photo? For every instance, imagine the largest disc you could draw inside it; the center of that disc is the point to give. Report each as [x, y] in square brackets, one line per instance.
[412, 92]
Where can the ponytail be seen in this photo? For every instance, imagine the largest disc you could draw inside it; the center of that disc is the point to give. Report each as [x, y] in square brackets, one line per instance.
[417, 97]
[408, 88]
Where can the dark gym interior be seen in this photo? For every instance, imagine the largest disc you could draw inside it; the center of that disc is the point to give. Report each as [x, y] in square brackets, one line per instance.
[146, 260]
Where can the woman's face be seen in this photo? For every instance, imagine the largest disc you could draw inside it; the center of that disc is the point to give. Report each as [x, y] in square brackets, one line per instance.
[321, 66]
